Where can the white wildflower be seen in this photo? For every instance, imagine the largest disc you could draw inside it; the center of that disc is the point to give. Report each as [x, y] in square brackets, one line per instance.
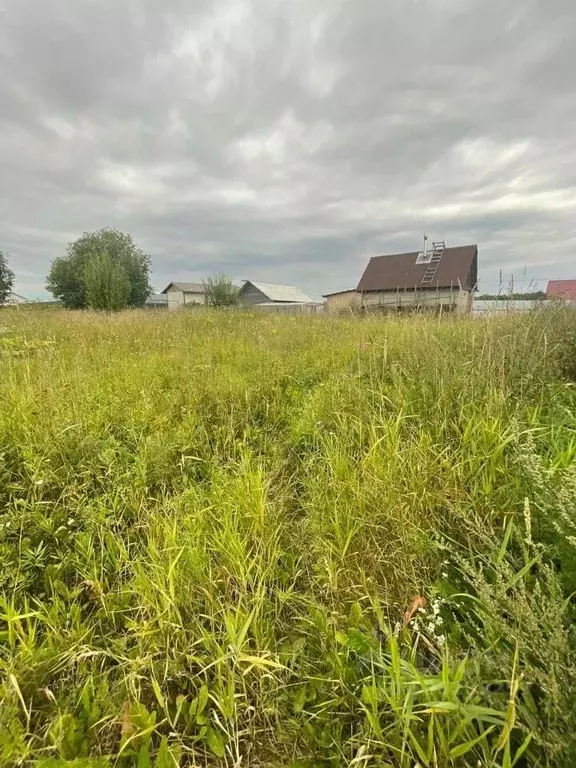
[527, 522]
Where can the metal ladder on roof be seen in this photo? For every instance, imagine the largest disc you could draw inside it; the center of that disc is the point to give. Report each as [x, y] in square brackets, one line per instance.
[430, 272]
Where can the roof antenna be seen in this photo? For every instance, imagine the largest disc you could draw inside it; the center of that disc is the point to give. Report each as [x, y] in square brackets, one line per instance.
[424, 252]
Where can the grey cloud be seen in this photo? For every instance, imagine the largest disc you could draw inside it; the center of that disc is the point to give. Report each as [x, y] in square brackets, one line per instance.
[289, 141]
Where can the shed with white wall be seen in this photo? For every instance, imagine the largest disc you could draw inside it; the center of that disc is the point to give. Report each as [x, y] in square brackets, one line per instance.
[182, 294]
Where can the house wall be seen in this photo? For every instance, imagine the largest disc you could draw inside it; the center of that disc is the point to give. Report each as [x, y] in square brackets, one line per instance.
[177, 298]
[456, 299]
[249, 294]
[349, 300]
[342, 302]
[194, 298]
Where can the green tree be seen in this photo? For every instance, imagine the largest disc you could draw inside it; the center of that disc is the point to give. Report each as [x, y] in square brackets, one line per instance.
[528, 295]
[106, 284]
[67, 277]
[220, 291]
[6, 277]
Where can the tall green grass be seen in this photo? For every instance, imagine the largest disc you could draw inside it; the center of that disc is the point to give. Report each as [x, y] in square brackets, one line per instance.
[212, 524]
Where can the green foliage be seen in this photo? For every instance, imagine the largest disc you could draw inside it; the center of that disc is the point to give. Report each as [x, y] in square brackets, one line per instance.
[106, 284]
[220, 291]
[515, 296]
[68, 274]
[6, 277]
[208, 547]
[516, 612]
[566, 350]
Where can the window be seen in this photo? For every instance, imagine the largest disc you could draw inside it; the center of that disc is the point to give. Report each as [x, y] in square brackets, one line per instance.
[424, 257]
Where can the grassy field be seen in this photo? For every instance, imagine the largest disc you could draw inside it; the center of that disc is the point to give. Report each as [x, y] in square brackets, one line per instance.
[214, 526]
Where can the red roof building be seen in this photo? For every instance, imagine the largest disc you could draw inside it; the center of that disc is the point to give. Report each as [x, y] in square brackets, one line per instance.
[561, 289]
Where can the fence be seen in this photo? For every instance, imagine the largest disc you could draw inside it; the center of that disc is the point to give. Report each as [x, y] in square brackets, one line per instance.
[287, 309]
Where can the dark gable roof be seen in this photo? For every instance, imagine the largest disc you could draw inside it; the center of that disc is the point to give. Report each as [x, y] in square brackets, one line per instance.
[400, 271]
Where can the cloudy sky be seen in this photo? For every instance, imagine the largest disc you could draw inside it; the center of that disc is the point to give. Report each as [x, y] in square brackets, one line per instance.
[288, 141]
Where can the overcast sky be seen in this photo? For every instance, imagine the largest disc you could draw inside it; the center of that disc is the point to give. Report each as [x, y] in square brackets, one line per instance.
[289, 141]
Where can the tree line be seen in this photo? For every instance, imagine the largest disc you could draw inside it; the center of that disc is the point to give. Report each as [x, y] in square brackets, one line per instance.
[106, 270]
[513, 296]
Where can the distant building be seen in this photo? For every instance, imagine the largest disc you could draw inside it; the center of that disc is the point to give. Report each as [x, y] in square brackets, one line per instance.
[157, 301]
[269, 293]
[14, 299]
[340, 301]
[435, 277]
[563, 290]
[181, 294]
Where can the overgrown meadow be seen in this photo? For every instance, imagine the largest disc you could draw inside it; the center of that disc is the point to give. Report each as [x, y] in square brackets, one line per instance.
[242, 540]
